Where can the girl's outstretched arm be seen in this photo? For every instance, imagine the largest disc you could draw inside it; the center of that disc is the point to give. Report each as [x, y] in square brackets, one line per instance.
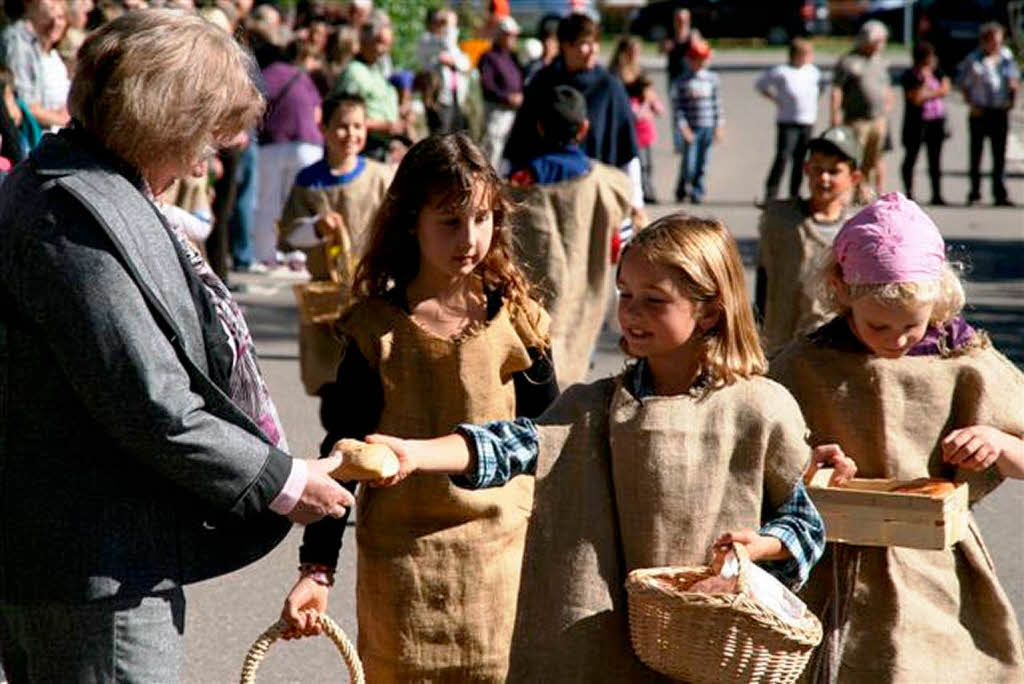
[449, 455]
[476, 456]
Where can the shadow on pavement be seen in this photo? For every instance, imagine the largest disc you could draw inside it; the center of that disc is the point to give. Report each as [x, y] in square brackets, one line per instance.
[271, 322]
[987, 261]
[1004, 324]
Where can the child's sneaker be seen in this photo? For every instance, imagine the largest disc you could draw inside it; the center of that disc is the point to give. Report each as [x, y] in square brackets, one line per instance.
[295, 260]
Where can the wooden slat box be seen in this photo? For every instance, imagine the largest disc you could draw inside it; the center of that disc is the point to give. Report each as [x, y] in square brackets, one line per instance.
[868, 512]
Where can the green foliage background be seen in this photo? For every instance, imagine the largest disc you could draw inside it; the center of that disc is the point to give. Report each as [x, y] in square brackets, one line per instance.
[407, 17]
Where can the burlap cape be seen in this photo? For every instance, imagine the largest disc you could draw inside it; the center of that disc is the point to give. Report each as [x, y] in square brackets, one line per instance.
[622, 484]
[791, 249]
[563, 235]
[909, 615]
[357, 202]
[438, 566]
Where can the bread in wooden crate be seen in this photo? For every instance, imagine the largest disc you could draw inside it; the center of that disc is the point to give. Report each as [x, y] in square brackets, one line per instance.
[925, 513]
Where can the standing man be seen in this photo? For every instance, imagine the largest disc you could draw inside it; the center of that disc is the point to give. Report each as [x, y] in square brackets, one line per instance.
[439, 51]
[989, 80]
[364, 77]
[612, 135]
[861, 97]
[501, 80]
[547, 34]
[678, 46]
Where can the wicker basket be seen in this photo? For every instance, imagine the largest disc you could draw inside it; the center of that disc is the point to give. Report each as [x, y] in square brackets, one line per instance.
[258, 651]
[709, 638]
[320, 301]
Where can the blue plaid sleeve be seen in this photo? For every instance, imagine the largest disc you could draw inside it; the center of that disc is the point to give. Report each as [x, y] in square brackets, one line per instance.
[798, 525]
[503, 448]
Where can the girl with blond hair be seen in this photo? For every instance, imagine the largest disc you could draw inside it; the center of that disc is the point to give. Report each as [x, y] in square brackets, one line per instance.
[443, 331]
[901, 384]
[689, 448]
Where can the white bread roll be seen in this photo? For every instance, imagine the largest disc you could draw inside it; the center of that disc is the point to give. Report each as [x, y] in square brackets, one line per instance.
[362, 461]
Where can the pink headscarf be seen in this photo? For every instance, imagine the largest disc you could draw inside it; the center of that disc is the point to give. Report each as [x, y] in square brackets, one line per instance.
[890, 241]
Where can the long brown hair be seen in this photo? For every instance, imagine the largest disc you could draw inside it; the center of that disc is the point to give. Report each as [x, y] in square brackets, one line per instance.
[707, 263]
[443, 171]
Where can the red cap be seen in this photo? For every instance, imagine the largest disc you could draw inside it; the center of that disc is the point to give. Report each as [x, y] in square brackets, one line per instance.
[699, 49]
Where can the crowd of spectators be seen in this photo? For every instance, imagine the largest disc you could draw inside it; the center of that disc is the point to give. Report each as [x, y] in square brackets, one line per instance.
[304, 53]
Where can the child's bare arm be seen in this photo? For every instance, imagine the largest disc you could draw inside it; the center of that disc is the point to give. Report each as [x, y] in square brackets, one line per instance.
[449, 455]
[761, 547]
[979, 446]
[836, 106]
[477, 456]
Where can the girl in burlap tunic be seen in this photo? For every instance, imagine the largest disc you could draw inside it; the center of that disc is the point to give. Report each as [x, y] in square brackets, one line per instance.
[327, 215]
[904, 386]
[689, 448]
[443, 331]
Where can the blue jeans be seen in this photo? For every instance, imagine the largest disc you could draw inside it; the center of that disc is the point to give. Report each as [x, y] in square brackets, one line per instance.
[240, 226]
[694, 163]
[113, 640]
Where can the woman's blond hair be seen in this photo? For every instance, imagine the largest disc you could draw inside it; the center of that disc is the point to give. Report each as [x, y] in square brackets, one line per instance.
[946, 293]
[445, 171]
[707, 263]
[156, 87]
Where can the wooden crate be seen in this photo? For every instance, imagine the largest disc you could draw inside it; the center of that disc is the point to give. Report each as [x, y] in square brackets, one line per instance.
[867, 512]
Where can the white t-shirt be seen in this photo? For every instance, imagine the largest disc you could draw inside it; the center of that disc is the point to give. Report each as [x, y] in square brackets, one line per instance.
[795, 90]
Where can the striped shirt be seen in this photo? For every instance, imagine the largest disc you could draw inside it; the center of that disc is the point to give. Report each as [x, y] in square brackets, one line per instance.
[697, 101]
[506, 448]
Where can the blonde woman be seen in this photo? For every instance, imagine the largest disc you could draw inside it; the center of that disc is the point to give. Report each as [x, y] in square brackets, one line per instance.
[140, 449]
[689, 448]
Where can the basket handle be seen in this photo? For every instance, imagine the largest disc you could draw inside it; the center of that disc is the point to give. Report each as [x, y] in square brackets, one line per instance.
[258, 651]
[743, 557]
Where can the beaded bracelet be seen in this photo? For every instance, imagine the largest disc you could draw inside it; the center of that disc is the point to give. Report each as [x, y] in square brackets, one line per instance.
[321, 574]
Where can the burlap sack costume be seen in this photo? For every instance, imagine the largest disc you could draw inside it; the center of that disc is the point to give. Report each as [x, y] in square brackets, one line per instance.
[190, 193]
[564, 238]
[624, 484]
[357, 202]
[909, 615]
[790, 250]
[438, 566]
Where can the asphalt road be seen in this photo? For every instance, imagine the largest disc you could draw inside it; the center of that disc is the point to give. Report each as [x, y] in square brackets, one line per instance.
[226, 614]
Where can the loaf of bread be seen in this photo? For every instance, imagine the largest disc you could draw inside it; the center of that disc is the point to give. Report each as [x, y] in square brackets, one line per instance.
[363, 461]
[926, 487]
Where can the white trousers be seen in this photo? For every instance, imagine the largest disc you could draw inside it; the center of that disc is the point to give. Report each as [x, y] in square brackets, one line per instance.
[497, 126]
[279, 163]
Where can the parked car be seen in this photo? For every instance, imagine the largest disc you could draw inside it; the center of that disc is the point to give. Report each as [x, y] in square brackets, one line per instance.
[952, 26]
[529, 12]
[777, 21]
